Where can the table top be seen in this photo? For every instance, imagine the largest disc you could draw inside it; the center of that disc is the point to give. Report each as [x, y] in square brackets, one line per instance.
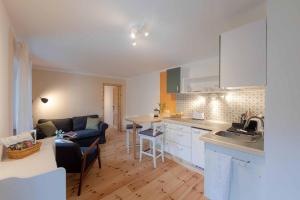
[40, 162]
[143, 119]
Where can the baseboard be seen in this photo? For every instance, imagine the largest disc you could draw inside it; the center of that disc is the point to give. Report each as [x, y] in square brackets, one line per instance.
[184, 163]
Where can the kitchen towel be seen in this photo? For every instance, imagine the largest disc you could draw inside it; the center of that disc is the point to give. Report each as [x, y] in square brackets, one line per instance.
[217, 175]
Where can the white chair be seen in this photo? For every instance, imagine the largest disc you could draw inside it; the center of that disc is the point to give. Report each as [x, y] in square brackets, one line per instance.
[155, 135]
[129, 128]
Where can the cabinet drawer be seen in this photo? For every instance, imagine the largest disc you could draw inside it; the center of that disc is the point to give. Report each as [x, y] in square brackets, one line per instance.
[179, 128]
[181, 138]
[184, 139]
[170, 134]
[167, 147]
[178, 151]
[183, 152]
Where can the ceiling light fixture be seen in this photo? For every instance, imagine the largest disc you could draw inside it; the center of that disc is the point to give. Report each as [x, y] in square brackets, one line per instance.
[132, 35]
[137, 32]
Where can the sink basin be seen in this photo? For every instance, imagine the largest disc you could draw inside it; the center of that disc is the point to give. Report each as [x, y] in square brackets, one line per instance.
[238, 136]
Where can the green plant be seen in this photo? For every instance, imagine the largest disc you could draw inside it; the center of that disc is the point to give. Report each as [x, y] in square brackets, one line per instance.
[59, 133]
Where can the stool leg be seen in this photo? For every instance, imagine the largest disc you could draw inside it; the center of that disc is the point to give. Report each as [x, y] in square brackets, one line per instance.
[154, 152]
[162, 149]
[127, 140]
[141, 148]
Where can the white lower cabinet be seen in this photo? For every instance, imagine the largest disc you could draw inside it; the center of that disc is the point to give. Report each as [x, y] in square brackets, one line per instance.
[178, 151]
[246, 178]
[198, 148]
[183, 152]
[183, 142]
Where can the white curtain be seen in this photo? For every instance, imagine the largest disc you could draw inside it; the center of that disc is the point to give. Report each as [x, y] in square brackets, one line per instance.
[22, 89]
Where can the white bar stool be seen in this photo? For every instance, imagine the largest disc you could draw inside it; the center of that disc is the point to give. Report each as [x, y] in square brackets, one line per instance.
[129, 128]
[155, 135]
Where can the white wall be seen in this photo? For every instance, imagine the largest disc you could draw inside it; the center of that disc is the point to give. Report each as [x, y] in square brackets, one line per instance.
[143, 94]
[282, 131]
[69, 94]
[108, 105]
[5, 75]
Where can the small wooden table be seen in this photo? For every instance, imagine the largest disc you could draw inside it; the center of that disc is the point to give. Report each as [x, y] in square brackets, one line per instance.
[139, 120]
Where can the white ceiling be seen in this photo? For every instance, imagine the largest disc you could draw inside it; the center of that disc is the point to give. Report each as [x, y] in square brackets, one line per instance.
[92, 36]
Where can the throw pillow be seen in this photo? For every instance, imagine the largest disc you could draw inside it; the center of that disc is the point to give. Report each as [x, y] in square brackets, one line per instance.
[79, 123]
[48, 128]
[92, 123]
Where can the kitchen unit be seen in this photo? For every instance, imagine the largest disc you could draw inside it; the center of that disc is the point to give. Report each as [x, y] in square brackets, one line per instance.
[242, 63]
[182, 138]
[178, 141]
[243, 56]
[246, 172]
[191, 141]
[247, 160]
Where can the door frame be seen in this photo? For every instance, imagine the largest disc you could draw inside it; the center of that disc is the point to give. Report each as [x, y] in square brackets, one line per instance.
[119, 86]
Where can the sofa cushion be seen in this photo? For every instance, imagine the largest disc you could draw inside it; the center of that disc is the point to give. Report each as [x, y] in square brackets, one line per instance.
[79, 123]
[61, 124]
[92, 123]
[48, 128]
[87, 133]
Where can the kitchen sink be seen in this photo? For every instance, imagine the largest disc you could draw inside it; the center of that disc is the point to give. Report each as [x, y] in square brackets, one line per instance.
[238, 136]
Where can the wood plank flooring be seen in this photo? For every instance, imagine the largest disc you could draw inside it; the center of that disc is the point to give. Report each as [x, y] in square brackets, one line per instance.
[122, 178]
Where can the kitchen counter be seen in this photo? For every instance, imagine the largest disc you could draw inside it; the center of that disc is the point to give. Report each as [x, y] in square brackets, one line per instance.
[210, 125]
[256, 148]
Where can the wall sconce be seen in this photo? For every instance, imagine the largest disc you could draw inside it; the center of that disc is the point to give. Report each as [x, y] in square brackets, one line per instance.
[44, 100]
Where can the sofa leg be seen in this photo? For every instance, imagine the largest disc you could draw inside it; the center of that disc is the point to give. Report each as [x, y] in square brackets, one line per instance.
[98, 155]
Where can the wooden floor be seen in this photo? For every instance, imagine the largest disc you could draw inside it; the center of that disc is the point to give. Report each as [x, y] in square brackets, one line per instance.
[123, 178]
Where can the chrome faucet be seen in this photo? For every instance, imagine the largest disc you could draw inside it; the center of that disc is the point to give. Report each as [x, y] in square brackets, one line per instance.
[259, 129]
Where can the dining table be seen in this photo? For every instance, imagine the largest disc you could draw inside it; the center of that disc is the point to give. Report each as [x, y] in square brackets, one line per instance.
[145, 119]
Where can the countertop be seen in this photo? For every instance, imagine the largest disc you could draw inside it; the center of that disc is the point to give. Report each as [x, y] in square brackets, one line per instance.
[40, 162]
[256, 148]
[210, 125]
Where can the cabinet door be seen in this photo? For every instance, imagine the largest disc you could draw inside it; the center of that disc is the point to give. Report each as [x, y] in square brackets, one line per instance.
[243, 56]
[173, 80]
[246, 178]
[198, 148]
[251, 177]
[183, 138]
[183, 152]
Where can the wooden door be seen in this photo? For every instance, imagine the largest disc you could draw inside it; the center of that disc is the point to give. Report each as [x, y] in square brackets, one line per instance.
[116, 107]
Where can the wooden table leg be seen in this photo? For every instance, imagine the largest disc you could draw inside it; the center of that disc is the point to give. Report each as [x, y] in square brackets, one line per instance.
[134, 140]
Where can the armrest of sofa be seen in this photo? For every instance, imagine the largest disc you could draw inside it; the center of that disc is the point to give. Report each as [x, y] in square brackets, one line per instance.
[39, 134]
[102, 126]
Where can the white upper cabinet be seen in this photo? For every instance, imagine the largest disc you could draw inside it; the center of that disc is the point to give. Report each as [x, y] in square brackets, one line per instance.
[200, 76]
[243, 56]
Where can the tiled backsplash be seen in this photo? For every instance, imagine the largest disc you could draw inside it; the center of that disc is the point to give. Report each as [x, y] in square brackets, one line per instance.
[226, 107]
